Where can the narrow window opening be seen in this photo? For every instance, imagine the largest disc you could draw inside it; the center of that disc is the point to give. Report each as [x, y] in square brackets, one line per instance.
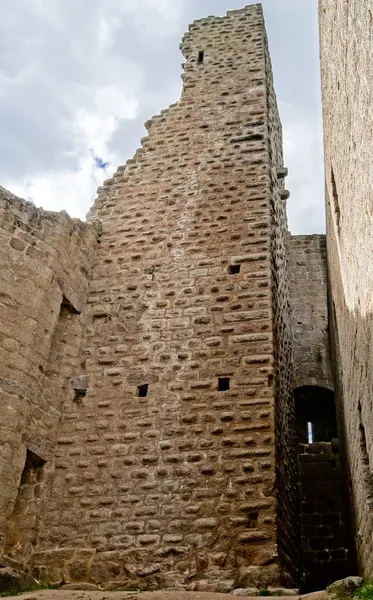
[253, 518]
[65, 326]
[367, 474]
[310, 432]
[234, 269]
[79, 395]
[66, 304]
[19, 536]
[223, 384]
[337, 209]
[201, 56]
[142, 390]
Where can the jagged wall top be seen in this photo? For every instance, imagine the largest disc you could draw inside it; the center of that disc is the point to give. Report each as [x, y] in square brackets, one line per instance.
[36, 216]
[189, 39]
[229, 14]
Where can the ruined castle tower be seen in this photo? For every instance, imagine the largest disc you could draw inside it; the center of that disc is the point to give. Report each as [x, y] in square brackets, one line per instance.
[154, 430]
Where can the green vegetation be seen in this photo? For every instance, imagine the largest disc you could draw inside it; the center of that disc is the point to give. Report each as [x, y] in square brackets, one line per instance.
[26, 586]
[264, 592]
[364, 592]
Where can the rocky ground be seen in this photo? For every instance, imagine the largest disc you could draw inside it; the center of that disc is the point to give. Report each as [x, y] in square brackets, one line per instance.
[102, 595]
[340, 589]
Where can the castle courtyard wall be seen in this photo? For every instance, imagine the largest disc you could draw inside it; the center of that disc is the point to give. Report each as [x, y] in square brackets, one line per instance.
[45, 262]
[346, 30]
[165, 472]
[148, 357]
[309, 310]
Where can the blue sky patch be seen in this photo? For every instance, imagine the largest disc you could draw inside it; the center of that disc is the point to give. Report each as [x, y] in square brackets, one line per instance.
[100, 164]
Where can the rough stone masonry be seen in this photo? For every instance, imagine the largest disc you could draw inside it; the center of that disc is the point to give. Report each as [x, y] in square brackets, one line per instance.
[346, 31]
[146, 368]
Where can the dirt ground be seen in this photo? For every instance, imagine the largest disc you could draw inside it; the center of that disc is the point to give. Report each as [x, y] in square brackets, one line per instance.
[102, 595]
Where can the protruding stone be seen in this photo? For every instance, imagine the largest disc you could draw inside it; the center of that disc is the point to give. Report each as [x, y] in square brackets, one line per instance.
[81, 382]
[344, 587]
[80, 586]
[282, 172]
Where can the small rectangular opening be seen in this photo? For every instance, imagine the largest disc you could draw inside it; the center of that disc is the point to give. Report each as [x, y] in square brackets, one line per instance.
[310, 433]
[79, 395]
[223, 384]
[253, 518]
[142, 390]
[201, 56]
[234, 269]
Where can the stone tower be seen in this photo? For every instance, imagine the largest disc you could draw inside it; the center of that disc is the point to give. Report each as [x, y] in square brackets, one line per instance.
[174, 460]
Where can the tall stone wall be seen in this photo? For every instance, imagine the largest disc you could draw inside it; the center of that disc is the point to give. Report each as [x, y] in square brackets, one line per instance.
[346, 30]
[45, 262]
[165, 472]
[309, 310]
[288, 528]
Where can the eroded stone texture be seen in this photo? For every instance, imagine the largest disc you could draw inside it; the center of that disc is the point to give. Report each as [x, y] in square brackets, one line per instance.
[346, 30]
[309, 310]
[37, 249]
[165, 472]
[285, 441]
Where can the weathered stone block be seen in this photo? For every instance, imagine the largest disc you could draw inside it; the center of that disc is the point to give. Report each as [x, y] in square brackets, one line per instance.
[11, 580]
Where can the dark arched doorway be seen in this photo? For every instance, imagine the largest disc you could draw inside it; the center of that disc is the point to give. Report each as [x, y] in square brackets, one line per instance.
[326, 547]
[316, 419]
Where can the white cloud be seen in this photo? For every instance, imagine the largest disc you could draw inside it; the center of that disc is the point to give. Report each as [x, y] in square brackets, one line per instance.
[73, 89]
[302, 145]
[95, 126]
[73, 190]
[79, 78]
[148, 14]
[63, 190]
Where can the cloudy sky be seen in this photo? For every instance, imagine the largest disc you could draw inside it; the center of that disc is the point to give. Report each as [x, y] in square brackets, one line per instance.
[78, 79]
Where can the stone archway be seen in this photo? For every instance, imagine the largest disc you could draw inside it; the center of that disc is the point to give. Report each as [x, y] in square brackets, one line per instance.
[325, 542]
[315, 414]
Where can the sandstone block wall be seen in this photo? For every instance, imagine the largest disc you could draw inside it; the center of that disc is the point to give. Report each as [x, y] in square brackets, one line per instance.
[288, 533]
[45, 263]
[165, 472]
[346, 30]
[309, 310]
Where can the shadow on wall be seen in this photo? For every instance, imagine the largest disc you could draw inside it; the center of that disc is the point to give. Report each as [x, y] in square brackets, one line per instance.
[351, 334]
[326, 545]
